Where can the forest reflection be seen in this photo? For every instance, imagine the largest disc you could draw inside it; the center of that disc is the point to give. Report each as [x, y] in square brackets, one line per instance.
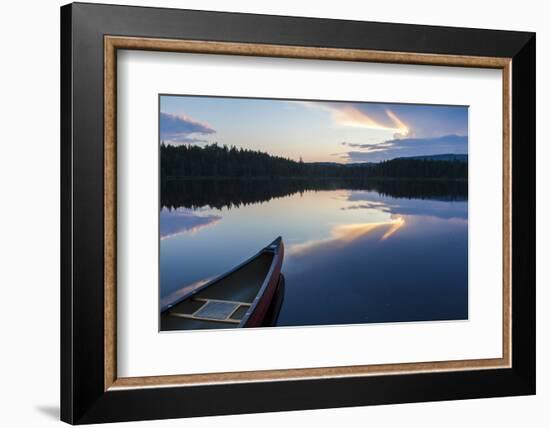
[234, 193]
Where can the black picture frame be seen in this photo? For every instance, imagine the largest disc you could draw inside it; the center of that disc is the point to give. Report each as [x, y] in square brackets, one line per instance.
[83, 397]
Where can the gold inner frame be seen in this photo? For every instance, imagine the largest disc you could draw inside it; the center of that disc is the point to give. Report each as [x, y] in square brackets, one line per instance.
[113, 43]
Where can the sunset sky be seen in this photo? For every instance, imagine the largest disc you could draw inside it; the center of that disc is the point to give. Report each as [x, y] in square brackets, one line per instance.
[317, 131]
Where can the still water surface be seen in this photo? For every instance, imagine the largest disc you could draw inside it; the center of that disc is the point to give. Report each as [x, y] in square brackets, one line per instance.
[353, 253]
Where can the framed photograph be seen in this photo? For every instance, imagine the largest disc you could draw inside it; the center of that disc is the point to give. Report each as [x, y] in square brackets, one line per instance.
[266, 213]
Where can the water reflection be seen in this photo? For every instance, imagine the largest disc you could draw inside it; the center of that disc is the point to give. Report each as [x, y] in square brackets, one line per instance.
[344, 234]
[229, 193]
[177, 221]
[356, 252]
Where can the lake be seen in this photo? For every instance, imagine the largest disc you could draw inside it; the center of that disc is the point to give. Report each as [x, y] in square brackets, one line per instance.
[389, 251]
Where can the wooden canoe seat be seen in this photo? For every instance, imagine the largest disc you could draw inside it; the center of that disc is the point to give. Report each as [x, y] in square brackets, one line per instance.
[215, 310]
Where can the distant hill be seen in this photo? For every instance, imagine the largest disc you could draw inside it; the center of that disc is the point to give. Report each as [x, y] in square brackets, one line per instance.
[442, 157]
[326, 164]
[347, 165]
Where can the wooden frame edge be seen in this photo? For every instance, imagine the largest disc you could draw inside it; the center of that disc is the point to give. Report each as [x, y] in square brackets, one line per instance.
[302, 374]
[301, 52]
[110, 223]
[112, 43]
[507, 213]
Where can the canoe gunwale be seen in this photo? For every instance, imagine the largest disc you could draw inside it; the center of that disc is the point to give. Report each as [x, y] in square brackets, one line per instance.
[275, 264]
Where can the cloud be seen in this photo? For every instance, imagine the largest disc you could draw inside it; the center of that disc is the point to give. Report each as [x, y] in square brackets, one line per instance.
[351, 116]
[403, 147]
[181, 129]
[371, 147]
[401, 120]
[362, 115]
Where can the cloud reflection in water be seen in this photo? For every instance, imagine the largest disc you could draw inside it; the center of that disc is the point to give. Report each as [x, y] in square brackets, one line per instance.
[176, 222]
[345, 233]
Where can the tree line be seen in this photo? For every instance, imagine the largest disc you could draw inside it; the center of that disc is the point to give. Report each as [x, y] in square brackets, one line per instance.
[214, 161]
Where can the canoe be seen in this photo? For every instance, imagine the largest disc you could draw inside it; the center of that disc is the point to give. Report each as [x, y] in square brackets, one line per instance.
[239, 298]
[274, 310]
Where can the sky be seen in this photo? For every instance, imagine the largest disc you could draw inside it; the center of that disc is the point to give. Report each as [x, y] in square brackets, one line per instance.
[316, 131]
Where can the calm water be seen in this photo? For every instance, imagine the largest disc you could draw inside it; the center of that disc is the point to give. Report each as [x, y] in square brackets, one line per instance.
[354, 253]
